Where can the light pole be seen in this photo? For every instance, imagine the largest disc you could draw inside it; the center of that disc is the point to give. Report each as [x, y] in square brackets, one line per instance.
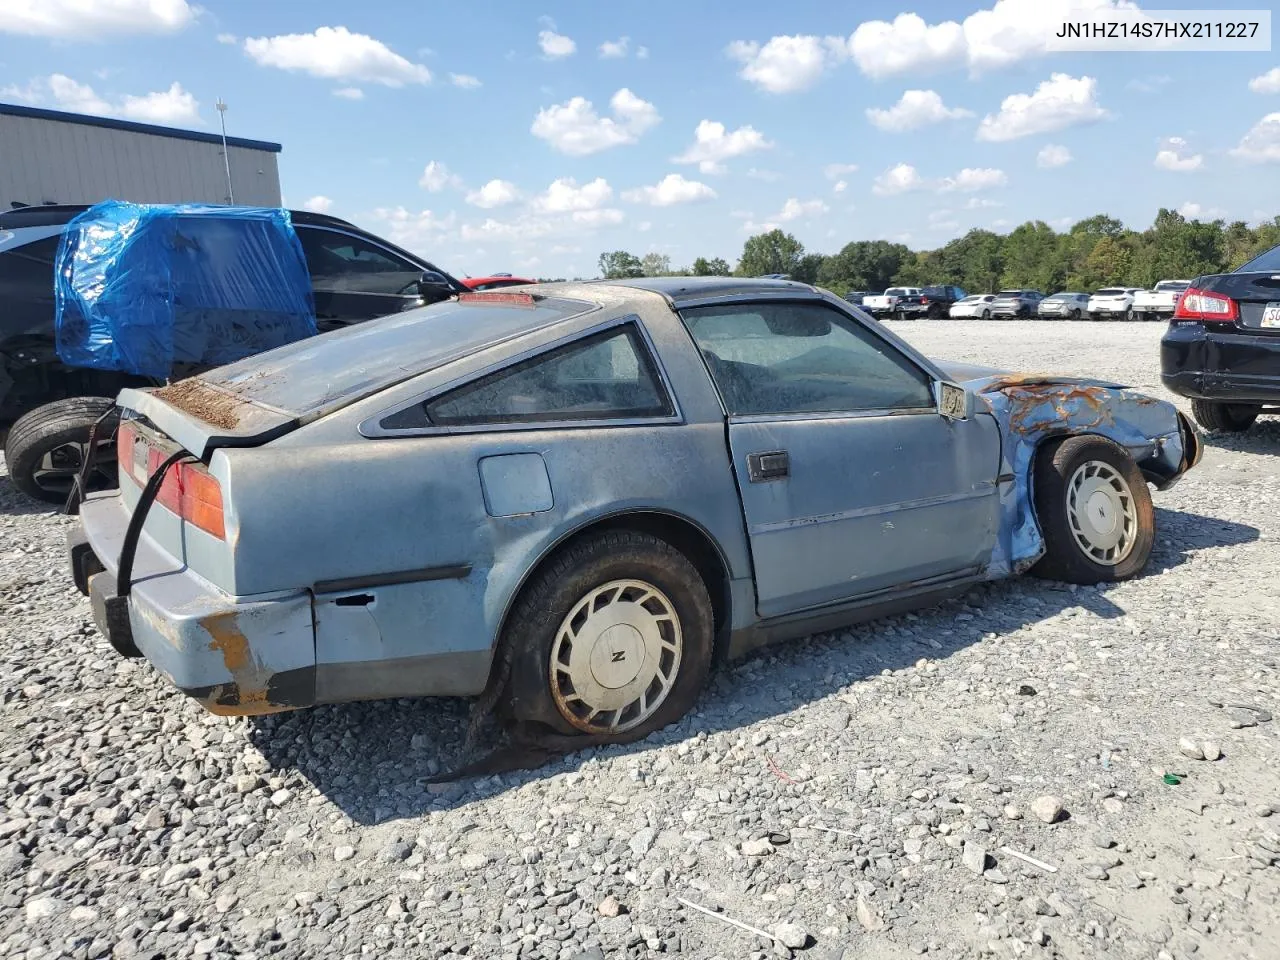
[226, 157]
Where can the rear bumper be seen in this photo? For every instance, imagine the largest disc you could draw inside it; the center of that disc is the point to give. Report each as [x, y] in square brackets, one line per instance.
[1233, 367]
[236, 657]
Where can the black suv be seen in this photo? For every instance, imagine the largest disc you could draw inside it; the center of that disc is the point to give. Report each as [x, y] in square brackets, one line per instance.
[47, 407]
[938, 300]
[1222, 348]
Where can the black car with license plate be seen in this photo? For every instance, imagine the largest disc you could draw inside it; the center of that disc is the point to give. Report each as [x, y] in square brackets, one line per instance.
[1222, 348]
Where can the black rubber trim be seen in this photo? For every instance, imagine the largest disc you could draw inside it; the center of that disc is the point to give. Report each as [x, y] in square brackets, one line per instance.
[80, 486]
[129, 549]
[456, 571]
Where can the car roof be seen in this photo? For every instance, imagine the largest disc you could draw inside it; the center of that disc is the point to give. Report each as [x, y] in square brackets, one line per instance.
[683, 289]
[56, 213]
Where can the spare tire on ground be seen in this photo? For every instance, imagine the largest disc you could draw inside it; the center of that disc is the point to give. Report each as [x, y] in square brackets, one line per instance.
[47, 446]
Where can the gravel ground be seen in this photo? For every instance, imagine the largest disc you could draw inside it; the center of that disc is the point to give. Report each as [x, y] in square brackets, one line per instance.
[855, 794]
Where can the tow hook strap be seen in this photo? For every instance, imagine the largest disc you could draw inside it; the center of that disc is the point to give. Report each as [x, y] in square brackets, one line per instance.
[80, 486]
[129, 549]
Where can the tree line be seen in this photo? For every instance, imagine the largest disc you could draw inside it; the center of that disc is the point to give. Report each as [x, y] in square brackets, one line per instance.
[1099, 251]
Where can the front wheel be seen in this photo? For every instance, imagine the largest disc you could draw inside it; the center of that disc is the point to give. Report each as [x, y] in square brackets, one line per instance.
[46, 448]
[986, 314]
[1075, 314]
[1225, 417]
[612, 640]
[1095, 512]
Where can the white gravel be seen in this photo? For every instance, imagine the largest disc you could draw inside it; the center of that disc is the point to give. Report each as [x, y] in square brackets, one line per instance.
[834, 792]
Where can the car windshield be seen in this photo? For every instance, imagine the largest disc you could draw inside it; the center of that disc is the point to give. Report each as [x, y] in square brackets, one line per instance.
[1171, 286]
[899, 291]
[972, 299]
[1268, 262]
[1009, 293]
[1110, 292]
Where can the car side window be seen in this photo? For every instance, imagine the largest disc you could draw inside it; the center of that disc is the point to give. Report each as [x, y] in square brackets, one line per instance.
[608, 376]
[795, 358]
[341, 263]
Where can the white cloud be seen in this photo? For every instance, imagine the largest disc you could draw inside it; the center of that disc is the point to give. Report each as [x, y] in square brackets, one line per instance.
[712, 145]
[598, 218]
[768, 176]
[318, 204]
[575, 128]
[514, 231]
[1195, 211]
[415, 231]
[1262, 143]
[981, 203]
[973, 179]
[1175, 156]
[917, 108]
[899, 179]
[1008, 32]
[556, 46]
[795, 209]
[174, 105]
[834, 171]
[786, 64]
[436, 176]
[1059, 102]
[336, 53]
[669, 191]
[349, 93]
[1268, 82]
[614, 49]
[464, 80]
[93, 19]
[1053, 155]
[840, 187]
[229, 39]
[495, 193]
[642, 53]
[565, 196]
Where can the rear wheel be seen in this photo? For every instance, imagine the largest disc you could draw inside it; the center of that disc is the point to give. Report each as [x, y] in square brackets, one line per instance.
[1095, 512]
[611, 640]
[46, 448]
[1075, 314]
[986, 314]
[1225, 417]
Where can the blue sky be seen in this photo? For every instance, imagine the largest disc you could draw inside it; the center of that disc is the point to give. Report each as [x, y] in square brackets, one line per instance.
[496, 136]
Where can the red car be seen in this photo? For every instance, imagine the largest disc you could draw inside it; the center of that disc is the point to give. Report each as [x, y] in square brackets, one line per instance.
[494, 282]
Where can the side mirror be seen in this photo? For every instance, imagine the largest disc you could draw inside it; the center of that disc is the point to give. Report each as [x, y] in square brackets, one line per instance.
[954, 401]
[432, 287]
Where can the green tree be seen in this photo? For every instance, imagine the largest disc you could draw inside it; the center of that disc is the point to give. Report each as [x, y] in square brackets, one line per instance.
[772, 252]
[809, 267]
[655, 265]
[619, 264]
[1032, 258]
[715, 267]
[863, 265]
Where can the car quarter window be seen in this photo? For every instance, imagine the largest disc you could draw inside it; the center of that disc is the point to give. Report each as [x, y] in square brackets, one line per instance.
[608, 376]
[796, 358]
[341, 263]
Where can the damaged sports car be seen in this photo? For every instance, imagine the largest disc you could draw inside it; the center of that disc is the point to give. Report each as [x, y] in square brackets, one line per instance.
[576, 498]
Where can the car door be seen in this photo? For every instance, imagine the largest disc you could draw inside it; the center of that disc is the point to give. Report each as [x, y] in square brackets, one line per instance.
[354, 279]
[852, 483]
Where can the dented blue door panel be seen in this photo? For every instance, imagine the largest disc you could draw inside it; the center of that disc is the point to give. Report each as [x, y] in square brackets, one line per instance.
[868, 503]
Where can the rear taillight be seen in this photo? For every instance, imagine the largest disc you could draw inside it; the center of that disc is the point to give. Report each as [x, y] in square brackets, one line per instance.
[924, 299]
[188, 490]
[1196, 304]
[124, 450]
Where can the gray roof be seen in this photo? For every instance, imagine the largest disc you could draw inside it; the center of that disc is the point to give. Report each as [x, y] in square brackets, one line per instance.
[677, 289]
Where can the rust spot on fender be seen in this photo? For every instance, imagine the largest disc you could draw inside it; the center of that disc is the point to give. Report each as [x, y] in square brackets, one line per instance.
[248, 696]
[1037, 403]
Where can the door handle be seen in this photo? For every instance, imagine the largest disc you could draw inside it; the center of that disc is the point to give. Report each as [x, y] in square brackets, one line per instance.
[774, 465]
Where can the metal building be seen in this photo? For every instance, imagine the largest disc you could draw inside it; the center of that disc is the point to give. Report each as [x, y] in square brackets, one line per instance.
[47, 156]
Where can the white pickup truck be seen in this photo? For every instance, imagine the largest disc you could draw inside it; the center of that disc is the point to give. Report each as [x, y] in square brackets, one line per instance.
[898, 302]
[1159, 302]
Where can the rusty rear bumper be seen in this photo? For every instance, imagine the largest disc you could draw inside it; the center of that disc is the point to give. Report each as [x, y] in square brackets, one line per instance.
[236, 656]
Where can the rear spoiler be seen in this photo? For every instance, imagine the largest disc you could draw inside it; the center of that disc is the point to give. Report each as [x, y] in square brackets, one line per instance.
[245, 423]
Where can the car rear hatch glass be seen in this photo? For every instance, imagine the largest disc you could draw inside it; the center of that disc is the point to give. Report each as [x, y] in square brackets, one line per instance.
[257, 399]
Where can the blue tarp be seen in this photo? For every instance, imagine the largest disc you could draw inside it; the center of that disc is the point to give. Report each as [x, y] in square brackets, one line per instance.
[140, 287]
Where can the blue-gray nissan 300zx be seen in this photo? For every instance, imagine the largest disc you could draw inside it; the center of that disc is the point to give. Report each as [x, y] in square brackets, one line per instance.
[575, 498]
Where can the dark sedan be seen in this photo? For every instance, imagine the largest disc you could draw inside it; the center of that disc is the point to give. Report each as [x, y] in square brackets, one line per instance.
[1222, 348]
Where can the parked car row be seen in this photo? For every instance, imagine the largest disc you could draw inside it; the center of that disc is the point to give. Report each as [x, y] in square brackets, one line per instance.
[1109, 303]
